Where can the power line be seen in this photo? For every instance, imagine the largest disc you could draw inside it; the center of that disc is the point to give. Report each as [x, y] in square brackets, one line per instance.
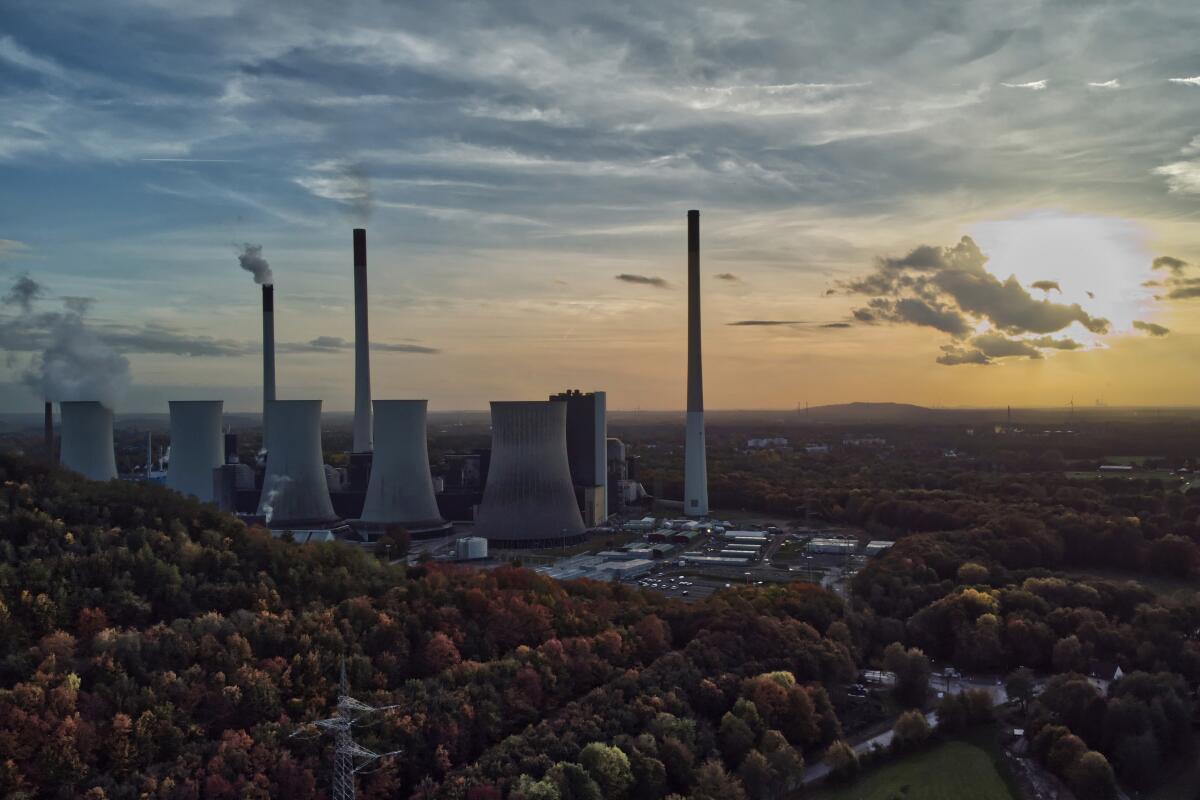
[349, 757]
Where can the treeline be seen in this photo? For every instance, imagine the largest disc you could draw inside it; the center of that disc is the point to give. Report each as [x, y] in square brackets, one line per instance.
[154, 648]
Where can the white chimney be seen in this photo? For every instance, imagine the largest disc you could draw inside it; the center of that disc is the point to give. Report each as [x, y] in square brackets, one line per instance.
[87, 439]
[362, 348]
[294, 490]
[197, 447]
[401, 489]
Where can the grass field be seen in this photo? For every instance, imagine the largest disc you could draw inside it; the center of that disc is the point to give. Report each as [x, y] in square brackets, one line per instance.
[955, 770]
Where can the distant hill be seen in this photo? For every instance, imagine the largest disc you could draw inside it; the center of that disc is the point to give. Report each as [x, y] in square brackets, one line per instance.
[873, 412]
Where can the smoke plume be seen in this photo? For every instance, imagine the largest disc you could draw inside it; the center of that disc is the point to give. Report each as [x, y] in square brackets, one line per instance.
[75, 362]
[251, 259]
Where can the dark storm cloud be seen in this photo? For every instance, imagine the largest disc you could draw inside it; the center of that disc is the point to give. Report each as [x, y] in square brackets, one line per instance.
[1182, 281]
[752, 323]
[645, 280]
[917, 311]
[152, 338]
[1046, 286]
[1151, 328]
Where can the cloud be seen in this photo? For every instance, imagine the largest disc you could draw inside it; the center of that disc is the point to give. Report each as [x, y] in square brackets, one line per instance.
[1112, 84]
[1180, 285]
[152, 338]
[1151, 328]
[837, 325]
[727, 276]
[950, 290]
[1033, 86]
[1183, 177]
[336, 344]
[25, 290]
[13, 53]
[1175, 265]
[953, 356]
[645, 280]
[346, 182]
[11, 247]
[1193, 81]
[752, 323]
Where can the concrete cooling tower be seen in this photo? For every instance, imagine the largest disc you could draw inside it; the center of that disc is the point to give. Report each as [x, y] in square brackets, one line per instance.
[400, 491]
[529, 500]
[87, 439]
[294, 491]
[197, 447]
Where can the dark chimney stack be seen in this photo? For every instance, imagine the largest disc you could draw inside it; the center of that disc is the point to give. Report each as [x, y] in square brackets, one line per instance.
[49, 434]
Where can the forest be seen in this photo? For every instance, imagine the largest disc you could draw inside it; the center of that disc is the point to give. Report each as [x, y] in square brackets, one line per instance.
[155, 648]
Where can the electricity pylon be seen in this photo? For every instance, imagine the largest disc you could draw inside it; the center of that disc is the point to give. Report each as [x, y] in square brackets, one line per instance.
[349, 757]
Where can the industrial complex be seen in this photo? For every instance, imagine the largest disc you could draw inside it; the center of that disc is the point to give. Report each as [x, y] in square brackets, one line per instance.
[551, 474]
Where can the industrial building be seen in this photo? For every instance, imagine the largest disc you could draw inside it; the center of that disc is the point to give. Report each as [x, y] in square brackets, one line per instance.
[400, 491]
[695, 468]
[529, 500]
[197, 447]
[471, 548]
[623, 487]
[745, 555]
[878, 547]
[86, 439]
[715, 561]
[295, 493]
[587, 451]
[750, 537]
[835, 546]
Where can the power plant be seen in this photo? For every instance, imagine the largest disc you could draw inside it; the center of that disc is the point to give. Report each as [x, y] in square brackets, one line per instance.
[197, 447]
[587, 432]
[360, 455]
[400, 491]
[695, 460]
[551, 472]
[87, 439]
[529, 500]
[295, 493]
[268, 313]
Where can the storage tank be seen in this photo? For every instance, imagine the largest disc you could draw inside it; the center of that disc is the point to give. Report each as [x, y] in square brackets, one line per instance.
[294, 491]
[400, 491]
[529, 500]
[86, 439]
[197, 447]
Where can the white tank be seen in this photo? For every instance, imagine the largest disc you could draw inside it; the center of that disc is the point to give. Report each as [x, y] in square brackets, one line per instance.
[294, 490]
[400, 491]
[529, 500]
[197, 447]
[87, 439]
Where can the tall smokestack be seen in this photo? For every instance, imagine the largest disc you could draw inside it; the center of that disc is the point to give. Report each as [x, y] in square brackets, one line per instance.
[695, 471]
[362, 347]
[49, 432]
[268, 297]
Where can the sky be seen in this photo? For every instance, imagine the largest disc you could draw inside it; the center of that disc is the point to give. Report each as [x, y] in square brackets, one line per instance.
[946, 203]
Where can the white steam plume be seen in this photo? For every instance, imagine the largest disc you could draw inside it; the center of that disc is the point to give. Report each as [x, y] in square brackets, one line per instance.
[251, 259]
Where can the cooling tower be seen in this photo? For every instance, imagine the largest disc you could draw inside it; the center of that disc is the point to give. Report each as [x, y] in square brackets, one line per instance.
[86, 439]
[197, 447]
[362, 348]
[400, 491]
[529, 500]
[695, 468]
[294, 491]
[268, 297]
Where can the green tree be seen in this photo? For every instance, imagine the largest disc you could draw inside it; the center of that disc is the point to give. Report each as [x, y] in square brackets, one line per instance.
[841, 760]
[1019, 686]
[1092, 777]
[609, 767]
[910, 731]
